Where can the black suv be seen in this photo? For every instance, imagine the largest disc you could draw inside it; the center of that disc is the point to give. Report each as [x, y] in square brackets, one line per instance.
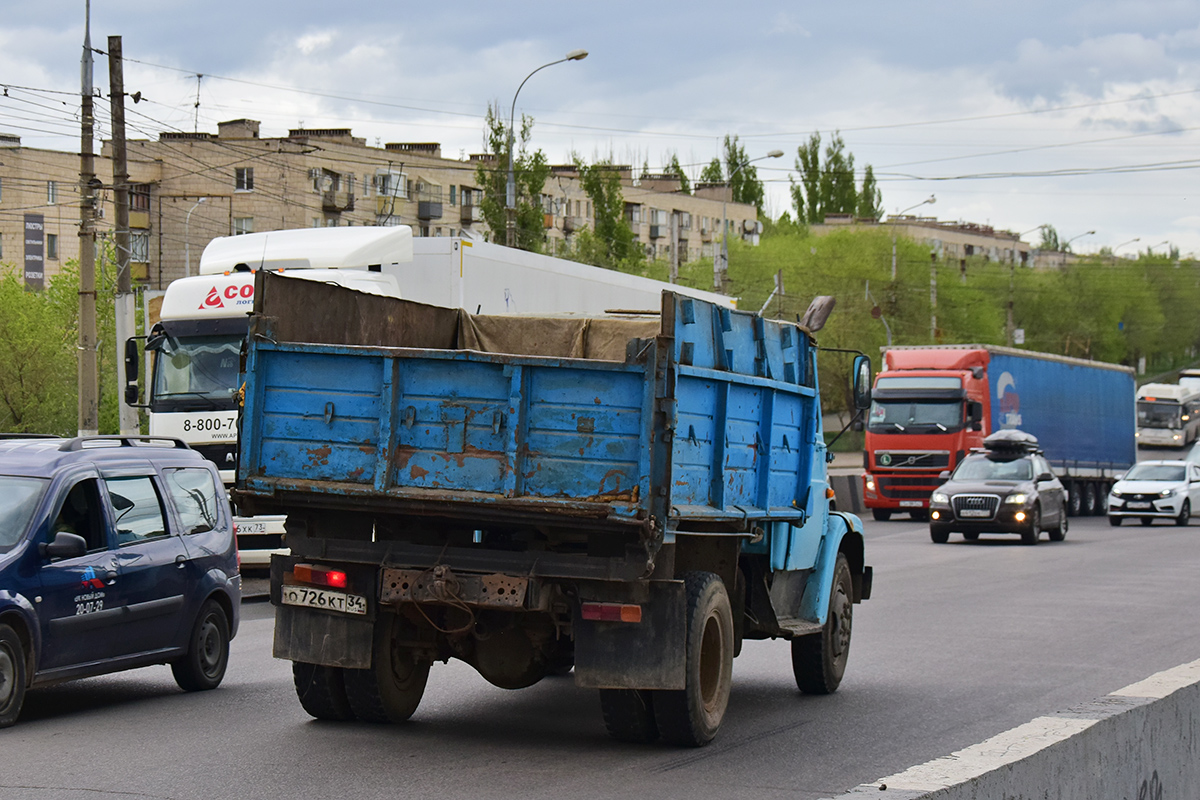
[1006, 487]
[115, 552]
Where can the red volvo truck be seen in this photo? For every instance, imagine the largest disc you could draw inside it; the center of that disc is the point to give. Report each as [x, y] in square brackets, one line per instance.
[931, 405]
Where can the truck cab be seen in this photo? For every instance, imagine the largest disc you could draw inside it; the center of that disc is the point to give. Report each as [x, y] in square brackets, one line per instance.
[929, 409]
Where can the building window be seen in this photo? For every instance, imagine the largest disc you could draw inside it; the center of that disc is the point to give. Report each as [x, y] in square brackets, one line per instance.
[139, 197]
[392, 184]
[243, 225]
[453, 192]
[51, 192]
[316, 222]
[139, 247]
[244, 179]
[52, 246]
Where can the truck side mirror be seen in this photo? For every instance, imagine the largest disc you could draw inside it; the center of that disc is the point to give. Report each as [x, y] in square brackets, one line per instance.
[131, 372]
[131, 360]
[974, 415]
[862, 382]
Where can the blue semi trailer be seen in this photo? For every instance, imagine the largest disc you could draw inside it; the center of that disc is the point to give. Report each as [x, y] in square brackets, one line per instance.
[629, 497]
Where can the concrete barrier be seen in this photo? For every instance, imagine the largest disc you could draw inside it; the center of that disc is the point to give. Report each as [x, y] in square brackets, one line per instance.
[1141, 742]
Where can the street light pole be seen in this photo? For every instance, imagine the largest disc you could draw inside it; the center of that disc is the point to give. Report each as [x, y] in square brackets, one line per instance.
[1067, 243]
[510, 200]
[187, 239]
[720, 271]
[928, 200]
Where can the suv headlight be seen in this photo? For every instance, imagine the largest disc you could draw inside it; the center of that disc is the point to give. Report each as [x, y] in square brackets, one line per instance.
[1016, 499]
[939, 497]
[1167, 492]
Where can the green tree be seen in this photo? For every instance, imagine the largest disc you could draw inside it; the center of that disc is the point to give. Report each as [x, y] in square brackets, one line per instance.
[39, 359]
[870, 199]
[712, 172]
[530, 171]
[827, 186]
[745, 187]
[610, 243]
[1049, 239]
[676, 169]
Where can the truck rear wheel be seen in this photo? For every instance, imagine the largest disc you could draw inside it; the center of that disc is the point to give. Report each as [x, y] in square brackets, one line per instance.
[819, 660]
[629, 715]
[322, 691]
[1089, 499]
[391, 689]
[692, 716]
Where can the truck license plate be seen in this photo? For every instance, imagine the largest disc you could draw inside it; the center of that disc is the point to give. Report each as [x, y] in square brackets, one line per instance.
[1146, 506]
[910, 503]
[323, 598]
[974, 512]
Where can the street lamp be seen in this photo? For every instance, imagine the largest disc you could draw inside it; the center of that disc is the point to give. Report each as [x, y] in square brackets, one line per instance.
[1150, 249]
[1067, 244]
[187, 242]
[720, 270]
[928, 200]
[510, 204]
[1122, 244]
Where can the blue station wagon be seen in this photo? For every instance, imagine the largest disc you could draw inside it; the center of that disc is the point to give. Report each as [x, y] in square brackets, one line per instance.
[116, 552]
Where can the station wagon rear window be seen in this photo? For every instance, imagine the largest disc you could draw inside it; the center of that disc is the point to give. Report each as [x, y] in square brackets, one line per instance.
[18, 500]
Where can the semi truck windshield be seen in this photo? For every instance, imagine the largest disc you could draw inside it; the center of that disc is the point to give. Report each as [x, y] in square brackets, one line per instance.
[196, 373]
[895, 416]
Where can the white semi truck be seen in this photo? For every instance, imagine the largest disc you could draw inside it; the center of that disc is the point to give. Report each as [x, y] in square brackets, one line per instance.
[197, 339]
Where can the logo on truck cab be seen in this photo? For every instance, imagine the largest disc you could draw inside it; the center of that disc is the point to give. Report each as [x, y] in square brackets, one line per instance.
[237, 295]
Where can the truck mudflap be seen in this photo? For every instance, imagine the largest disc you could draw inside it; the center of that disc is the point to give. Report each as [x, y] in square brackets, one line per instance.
[843, 533]
[649, 654]
[319, 637]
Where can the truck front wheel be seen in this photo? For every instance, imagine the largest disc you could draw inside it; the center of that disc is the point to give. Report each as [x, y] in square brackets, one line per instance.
[322, 691]
[819, 659]
[881, 514]
[391, 689]
[691, 716]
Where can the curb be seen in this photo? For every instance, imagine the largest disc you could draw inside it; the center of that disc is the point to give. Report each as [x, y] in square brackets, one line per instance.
[1135, 742]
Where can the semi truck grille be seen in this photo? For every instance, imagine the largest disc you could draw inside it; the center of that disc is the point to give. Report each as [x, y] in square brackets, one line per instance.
[223, 455]
[975, 506]
[906, 488]
[902, 459]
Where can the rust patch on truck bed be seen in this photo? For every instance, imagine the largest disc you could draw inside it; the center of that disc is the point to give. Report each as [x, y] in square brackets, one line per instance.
[319, 456]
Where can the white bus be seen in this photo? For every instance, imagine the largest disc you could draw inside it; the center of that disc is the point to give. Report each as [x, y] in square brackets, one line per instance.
[1168, 415]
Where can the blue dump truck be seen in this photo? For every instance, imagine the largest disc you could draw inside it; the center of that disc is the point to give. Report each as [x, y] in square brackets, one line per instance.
[630, 497]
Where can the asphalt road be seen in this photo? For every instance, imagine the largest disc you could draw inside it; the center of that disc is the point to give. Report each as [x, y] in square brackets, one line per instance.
[961, 641]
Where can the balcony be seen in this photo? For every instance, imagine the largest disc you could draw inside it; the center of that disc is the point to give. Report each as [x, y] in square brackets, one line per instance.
[429, 209]
[658, 231]
[573, 224]
[335, 202]
[469, 213]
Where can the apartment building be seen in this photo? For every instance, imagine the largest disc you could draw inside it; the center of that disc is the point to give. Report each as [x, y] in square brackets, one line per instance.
[187, 188]
[951, 241]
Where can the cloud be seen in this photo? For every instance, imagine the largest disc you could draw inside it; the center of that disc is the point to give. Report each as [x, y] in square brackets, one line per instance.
[1038, 70]
[785, 24]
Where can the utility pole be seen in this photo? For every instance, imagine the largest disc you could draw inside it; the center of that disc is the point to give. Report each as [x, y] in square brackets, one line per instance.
[126, 322]
[932, 298]
[89, 388]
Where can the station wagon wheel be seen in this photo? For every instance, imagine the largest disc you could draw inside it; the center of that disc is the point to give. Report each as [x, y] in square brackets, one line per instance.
[971, 536]
[1031, 534]
[203, 667]
[692, 715]
[819, 659]
[12, 676]
[1115, 521]
[1059, 532]
[1147, 521]
[1185, 514]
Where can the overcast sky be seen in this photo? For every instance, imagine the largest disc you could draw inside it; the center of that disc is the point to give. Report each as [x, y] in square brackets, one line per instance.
[1083, 115]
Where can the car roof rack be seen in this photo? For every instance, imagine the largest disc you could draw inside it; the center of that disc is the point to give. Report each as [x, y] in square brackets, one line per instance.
[100, 442]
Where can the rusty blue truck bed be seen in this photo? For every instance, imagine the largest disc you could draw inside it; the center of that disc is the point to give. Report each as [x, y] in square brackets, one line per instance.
[704, 416]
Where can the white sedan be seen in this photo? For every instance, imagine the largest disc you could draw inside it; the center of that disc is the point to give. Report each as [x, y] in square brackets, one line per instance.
[1156, 490]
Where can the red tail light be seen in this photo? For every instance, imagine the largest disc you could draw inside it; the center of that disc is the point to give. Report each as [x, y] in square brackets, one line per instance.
[611, 612]
[319, 576]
